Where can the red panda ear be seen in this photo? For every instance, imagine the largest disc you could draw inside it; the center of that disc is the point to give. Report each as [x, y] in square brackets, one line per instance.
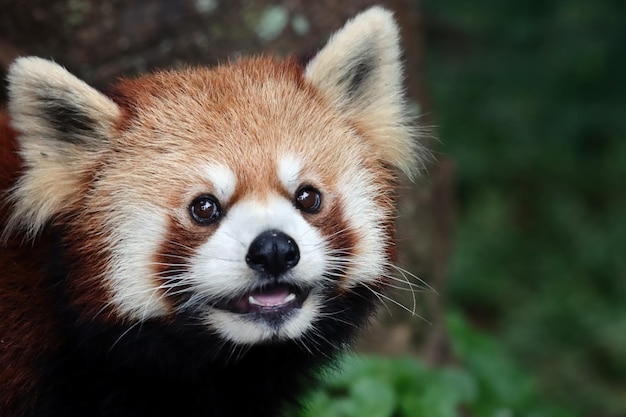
[360, 72]
[48, 103]
[62, 123]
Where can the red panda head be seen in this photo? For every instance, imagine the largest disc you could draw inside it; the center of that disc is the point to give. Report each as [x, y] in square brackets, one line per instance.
[254, 197]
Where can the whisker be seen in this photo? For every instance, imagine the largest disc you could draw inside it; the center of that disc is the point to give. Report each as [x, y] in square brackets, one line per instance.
[383, 296]
[124, 334]
[415, 277]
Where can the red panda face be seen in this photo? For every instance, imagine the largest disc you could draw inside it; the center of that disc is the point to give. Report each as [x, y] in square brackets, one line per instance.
[253, 198]
[248, 214]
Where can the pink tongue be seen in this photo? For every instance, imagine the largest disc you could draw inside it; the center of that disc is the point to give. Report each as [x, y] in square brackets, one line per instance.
[271, 297]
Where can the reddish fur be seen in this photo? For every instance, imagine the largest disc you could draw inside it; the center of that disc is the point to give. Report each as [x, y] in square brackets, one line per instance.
[256, 181]
[11, 162]
[255, 175]
[25, 332]
[222, 83]
[88, 295]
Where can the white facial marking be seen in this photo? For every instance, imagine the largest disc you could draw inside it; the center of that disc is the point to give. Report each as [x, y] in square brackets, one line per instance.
[289, 172]
[364, 217]
[130, 274]
[223, 179]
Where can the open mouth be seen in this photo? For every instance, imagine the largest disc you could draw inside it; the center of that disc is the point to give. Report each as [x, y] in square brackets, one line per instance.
[273, 299]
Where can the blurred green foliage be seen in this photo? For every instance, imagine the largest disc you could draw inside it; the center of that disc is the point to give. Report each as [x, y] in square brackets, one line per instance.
[529, 100]
[486, 383]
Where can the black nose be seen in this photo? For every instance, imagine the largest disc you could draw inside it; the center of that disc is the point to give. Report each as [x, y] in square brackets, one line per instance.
[273, 252]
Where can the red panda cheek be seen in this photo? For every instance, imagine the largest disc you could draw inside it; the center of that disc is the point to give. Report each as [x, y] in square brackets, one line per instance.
[341, 240]
[172, 259]
[340, 236]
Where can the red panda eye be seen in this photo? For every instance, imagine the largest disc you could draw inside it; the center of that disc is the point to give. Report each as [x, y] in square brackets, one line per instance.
[308, 199]
[205, 209]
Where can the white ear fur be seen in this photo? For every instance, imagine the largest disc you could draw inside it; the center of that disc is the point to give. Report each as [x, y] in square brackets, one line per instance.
[360, 72]
[61, 123]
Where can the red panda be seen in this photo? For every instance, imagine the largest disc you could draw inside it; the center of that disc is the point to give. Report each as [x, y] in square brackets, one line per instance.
[196, 242]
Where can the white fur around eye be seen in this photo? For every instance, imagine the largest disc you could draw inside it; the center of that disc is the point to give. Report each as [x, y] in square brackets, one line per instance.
[223, 180]
[289, 172]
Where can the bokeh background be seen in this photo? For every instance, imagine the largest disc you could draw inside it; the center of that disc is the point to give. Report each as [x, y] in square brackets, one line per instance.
[530, 102]
[517, 228]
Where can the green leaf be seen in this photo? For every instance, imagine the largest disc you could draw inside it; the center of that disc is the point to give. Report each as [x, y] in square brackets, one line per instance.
[373, 397]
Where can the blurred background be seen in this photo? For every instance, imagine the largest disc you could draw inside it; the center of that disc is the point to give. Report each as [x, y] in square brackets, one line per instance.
[516, 229]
